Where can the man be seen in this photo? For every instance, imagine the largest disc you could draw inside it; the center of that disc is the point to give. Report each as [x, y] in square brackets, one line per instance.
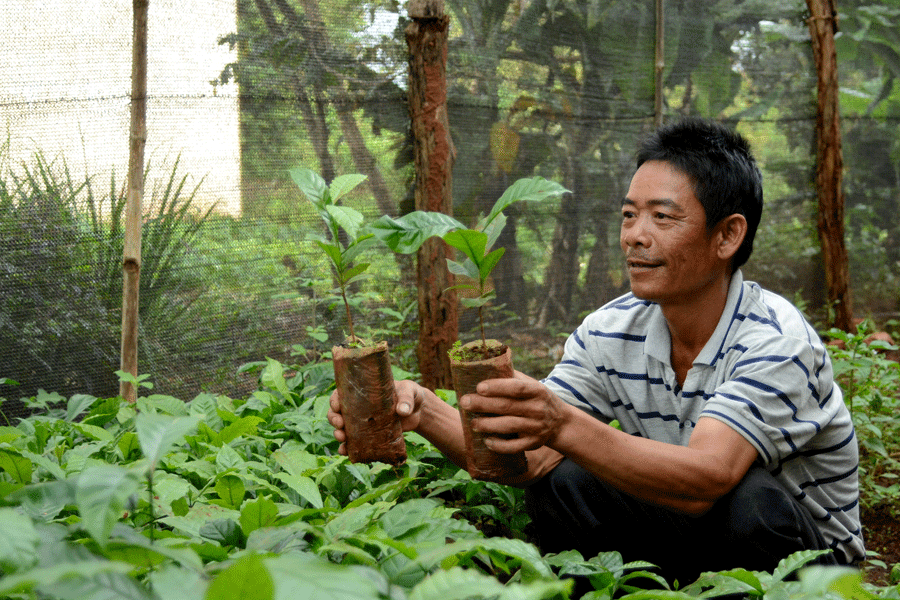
[735, 448]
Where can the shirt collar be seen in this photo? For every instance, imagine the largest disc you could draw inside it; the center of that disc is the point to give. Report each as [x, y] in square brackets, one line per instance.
[658, 344]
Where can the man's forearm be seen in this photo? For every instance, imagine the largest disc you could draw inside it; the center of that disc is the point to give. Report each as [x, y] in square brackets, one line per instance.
[440, 424]
[687, 479]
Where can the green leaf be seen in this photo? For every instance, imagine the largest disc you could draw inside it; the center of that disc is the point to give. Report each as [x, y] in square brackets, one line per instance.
[197, 517]
[311, 184]
[343, 184]
[470, 242]
[457, 584]
[261, 512]
[490, 261]
[17, 466]
[157, 434]
[295, 462]
[180, 507]
[230, 488]
[353, 273]
[204, 406]
[736, 581]
[790, 564]
[357, 247]
[8, 434]
[44, 501]
[128, 444]
[301, 575]
[846, 582]
[245, 426]
[349, 219]
[101, 493]
[74, 573]
[78, 404]
[406, 234]
[246, 579]
[476, 302]
[130, 545]
[333, 252]
[228, 458]
[18, 541]
[94, 432]
[272, 377]
[494, 229]
[224, 531]
[172, 582]
[465, 269]
[532, 189]
[304, 486]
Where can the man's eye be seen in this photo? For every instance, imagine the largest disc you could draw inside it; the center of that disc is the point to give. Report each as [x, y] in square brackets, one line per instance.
[661, 216]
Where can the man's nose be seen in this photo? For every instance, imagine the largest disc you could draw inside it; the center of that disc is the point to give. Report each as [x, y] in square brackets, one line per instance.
[635, 233]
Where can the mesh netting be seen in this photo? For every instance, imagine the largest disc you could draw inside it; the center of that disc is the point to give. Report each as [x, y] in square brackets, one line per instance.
[241, 92]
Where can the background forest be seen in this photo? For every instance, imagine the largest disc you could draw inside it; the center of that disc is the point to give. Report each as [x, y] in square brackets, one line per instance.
[562, 89]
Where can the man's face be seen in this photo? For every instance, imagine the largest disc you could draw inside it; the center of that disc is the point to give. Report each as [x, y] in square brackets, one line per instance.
[670, 257]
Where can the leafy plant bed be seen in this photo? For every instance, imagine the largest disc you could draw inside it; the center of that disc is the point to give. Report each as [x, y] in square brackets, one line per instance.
[218, 498]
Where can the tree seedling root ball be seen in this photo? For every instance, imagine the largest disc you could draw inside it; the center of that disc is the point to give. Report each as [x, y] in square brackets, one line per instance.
[366, 388]
[482, 462]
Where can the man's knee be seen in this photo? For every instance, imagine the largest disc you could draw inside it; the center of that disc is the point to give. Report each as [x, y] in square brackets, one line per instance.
[762, 517]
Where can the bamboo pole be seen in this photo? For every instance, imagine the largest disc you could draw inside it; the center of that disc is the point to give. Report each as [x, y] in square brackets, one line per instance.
[131, 259]
[830, 163]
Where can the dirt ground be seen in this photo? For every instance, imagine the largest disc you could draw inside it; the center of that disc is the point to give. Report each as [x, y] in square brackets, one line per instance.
[881, 531]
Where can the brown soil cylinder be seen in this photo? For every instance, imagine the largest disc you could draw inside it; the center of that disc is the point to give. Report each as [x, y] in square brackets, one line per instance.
[366, 387]
[483, 463]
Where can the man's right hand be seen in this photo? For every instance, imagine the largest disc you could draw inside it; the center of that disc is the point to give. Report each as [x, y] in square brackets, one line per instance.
[410, 396]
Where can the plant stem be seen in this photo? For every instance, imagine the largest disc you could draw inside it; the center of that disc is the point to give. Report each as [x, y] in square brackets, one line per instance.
[349, 317]
[481, 322]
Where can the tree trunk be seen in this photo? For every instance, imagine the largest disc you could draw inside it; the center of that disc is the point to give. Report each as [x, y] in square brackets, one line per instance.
[313, 115]
[562, 270]
[426, 37]
[131, 260]
[363, 159]
[829, 165]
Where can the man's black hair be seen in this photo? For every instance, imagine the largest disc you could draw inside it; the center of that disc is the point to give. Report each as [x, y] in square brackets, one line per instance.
[721, 167]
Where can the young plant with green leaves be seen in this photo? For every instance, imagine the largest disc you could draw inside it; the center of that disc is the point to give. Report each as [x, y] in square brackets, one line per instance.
[406, 234]
[218, 498]
[342, 255]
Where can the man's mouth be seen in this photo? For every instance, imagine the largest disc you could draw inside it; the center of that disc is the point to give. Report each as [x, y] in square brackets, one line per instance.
[640, 263]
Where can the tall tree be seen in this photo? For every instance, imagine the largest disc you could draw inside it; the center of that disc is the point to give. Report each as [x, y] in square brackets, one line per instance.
[829, 167]
[426, 36]
[293, 57]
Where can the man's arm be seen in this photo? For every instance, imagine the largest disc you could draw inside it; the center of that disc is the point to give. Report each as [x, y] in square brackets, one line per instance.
[421, 410]
[687, 479]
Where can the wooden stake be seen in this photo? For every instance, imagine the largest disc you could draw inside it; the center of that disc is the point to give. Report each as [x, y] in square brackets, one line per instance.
[131, 259]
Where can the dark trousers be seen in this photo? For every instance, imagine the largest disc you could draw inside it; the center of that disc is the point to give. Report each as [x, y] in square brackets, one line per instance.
[752, 527]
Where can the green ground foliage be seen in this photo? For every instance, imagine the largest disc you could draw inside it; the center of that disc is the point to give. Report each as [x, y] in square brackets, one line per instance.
[220, 498]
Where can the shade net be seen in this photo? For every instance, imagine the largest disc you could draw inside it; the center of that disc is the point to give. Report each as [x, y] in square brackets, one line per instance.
[242, 92]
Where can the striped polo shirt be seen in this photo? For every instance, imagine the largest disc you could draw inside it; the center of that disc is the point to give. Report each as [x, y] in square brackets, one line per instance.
[764, 372]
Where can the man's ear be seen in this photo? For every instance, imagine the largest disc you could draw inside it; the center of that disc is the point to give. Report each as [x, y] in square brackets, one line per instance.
[730, 235]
